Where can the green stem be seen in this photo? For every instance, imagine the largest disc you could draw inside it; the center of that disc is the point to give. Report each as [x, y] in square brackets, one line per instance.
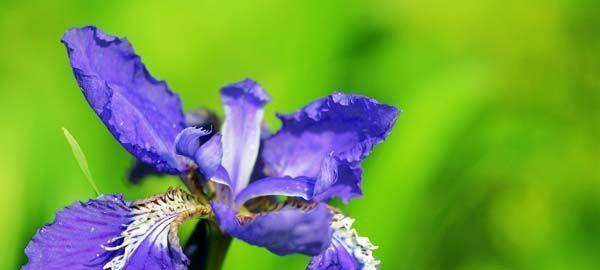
[207, 248]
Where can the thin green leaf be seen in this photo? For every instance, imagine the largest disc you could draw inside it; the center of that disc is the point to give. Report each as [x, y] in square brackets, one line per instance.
[80, 157]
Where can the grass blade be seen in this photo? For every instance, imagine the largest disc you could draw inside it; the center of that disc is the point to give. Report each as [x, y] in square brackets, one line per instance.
[80, 157]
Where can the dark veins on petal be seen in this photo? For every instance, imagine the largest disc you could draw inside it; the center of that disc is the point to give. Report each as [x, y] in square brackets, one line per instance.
[142, 113]
[111, 233]
[74, 240]
[326, 140]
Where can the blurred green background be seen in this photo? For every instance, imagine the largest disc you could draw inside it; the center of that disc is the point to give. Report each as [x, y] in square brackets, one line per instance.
[494, 164]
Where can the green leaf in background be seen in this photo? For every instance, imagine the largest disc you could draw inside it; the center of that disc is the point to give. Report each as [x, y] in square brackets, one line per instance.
[81, 160]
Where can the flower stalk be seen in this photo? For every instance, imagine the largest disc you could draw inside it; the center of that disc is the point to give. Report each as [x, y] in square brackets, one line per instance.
[207, 247]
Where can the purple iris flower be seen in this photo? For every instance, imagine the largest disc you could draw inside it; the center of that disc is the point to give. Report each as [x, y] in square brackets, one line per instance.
[270, 190]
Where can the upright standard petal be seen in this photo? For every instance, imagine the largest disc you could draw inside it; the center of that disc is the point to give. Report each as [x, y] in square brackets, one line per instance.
[243, 102]
[141, 112]
[111, 233]
[347, 251]
[327, 140]
[285, 231]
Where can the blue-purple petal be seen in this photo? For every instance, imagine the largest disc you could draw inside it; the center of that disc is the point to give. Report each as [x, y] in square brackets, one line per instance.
[259, 166]
[142, 113]
[74, 240]
[286, 231]
[111, 233]
[327, 140]
[337, 178]
[348, 250]
[187, 141]
[199, 118]
[286, 186]
[244, 108]
[207, 155]
[335, 257]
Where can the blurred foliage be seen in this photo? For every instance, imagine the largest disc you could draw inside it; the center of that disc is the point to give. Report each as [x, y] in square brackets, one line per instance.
[493, 165]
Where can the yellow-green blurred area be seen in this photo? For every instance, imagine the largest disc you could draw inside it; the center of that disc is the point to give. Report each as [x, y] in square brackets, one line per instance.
[494, 164]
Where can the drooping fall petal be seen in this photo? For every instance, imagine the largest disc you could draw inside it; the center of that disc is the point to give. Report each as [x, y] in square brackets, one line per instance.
[326, 140]
[348, 250]
[141, 112]
[111, 233]
[285, 231]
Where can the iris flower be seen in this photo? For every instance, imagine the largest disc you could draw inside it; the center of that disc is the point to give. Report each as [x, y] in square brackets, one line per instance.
[270, 190]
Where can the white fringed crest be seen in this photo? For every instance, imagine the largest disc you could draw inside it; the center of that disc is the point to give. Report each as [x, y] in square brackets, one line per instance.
[358, 246]
[152, 216]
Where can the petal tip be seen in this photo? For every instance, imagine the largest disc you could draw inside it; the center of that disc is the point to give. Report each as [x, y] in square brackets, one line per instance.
[247, 87]
[70, 36]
